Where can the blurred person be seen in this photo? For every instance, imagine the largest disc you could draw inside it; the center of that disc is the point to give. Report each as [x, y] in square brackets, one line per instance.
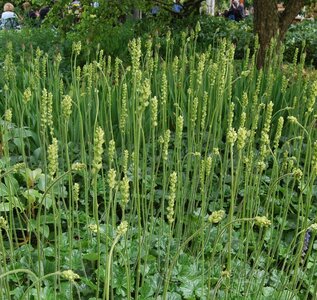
[8, 11]
[177, 7]
[95, 4]
[75, 8]
[9, 20]
[235, 12]
[30, 16]
[29, 12]
[155, 10]
[43, 12]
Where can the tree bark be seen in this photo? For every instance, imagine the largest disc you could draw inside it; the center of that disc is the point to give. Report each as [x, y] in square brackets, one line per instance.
[137, 14]
[266, 22]
[269, 23]
[210, 7]
[292, 9]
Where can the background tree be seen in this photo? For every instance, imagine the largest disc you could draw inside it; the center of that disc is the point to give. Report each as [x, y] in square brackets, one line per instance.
[270, 23]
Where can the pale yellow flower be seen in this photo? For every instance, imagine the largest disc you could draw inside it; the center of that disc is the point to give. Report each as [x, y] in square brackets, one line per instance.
[262, 221]
[216, 216]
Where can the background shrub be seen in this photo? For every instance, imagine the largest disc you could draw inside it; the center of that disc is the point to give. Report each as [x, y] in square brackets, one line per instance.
[114, 38]
[304, 37]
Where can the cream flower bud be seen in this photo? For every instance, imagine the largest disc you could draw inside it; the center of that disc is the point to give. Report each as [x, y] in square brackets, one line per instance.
[245, 99]
[78, 73]
[312, 98]
[67, 106]
[164, 89]
[77, 47]
[166, 140]
[8, 115]
[161, 139]
[93, 228]
[202, 172]
[262, 221]
[117, 64]
[98, 149]
[204, 112]
[145, 94]
[231, 136]
[75, 192]
[194, 111]
[136, 52]
[27, 95]
[175, 66]
[179, 129]
[124, 109]
[216, 216]
[3, 223]
[124, 189]
[268, 116]
[278, 132]
[168, 36]
[122, 228]
[52, 155]
[297, 173]
[19, 166]
[111, 150]
[70, 275]
[216, 151]
[292, 119]
[284, 84]
[243, 118]
[154, 104]
[208, 163]
[197, 28]
[313, 227]
[225, 274]
[245, 73]
[112, 178]
[171, 197]
[241, 137]
[50, 113]
[231, 115]
[58, 58]
[261, 166]
[77, 166]
[125, 161]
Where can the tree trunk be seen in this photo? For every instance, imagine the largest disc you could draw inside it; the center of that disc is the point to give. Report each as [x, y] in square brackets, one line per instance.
[292, 9]
[269, 23]
[210, 7]
[266, 24]
[137, 14]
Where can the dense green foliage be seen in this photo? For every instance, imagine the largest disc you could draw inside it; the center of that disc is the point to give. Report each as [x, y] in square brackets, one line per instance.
[161, 177]
[302, 36]
[111, 38]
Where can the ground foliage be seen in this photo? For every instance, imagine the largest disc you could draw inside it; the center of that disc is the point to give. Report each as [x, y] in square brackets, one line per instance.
[168, 177]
